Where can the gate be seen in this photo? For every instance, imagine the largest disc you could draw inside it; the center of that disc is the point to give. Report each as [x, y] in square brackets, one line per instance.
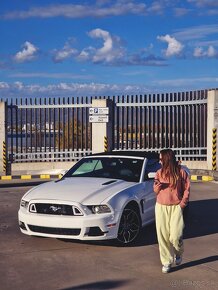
[59, 129]
[48, 129]
[155, 121]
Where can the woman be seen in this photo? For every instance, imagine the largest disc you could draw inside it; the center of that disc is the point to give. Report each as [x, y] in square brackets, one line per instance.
[172, 186]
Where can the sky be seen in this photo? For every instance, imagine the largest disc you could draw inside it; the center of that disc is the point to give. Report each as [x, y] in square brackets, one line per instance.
[55, 48]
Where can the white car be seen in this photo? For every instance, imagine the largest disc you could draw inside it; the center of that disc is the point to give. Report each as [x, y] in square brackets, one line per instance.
[103, 196]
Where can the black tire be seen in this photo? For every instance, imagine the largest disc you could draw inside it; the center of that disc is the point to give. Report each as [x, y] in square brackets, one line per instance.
[130, 226]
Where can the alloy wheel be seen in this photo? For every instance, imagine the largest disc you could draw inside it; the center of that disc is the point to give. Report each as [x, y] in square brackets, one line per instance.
[130, 226]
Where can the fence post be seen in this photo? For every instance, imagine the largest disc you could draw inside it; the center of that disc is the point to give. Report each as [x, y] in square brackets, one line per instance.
[214, 149]
[105, 144]
[3, 139]
[212, 123]
[101, 130]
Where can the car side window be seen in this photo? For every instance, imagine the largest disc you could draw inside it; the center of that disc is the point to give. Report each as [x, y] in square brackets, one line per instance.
[152, 166]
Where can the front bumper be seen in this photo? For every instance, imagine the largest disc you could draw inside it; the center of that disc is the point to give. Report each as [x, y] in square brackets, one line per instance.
[87, 227]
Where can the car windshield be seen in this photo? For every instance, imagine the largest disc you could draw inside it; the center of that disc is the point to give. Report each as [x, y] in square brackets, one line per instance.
[128, 169]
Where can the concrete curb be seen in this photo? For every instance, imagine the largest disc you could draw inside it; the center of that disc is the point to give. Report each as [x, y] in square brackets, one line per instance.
[201, 178]
[22, 183]
[58, 176]
[30, 176]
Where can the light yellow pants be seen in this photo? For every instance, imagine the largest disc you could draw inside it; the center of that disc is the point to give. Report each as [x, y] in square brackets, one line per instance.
[169, 226]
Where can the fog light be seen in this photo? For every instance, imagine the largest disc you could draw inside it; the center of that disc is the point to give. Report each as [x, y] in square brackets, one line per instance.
[22, 226]
[95, 232]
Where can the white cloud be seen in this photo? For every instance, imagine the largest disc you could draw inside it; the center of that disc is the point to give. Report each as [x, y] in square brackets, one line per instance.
[174, 46]
[18, 85]
[111, 49]
[142, 59]
[111, 52]
[187, 83]
[28, 52]
[66, 52]
[116, 8]
[211, 52]
[103, 53]
[44, 75]
[63, 89]
[68, 89]
[85, 54]
[114, 53]
[200, 52]
[204, 3]
[207, 43]
[4, 85]
[160, 6]
[196, 32]
[181, 11]
[156, 7]
[107, 8]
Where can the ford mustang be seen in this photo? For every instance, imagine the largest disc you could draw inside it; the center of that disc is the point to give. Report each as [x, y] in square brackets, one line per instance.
[103, 196]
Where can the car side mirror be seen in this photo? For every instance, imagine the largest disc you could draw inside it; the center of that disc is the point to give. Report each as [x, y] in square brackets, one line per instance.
[151, 175]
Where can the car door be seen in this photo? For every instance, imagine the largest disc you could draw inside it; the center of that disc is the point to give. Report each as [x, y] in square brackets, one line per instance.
[148, 198]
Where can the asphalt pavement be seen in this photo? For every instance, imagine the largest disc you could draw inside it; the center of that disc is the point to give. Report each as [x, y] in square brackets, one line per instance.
[33, 263]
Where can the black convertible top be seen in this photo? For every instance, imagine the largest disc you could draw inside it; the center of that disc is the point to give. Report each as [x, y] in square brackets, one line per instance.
[132, 153]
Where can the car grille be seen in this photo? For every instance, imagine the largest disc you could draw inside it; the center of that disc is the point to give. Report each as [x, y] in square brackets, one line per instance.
[54, 231]
[55, 209]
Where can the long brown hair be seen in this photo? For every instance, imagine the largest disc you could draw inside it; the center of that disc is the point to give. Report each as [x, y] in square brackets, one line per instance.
[170, 167]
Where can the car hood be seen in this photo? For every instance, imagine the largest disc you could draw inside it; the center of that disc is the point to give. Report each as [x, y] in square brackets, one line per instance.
[84, 190]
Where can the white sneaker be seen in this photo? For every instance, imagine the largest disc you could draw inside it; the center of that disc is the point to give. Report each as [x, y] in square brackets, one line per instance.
[166, 268]
[177, 259]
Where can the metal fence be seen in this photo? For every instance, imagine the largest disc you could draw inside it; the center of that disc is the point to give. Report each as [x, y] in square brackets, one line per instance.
[59, 129]
[155, 121]
[54, 127]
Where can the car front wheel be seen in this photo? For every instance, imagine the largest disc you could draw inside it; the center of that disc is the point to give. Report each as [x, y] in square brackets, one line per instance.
[130, 226]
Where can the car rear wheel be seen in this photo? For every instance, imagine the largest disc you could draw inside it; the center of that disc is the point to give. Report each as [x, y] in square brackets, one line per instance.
[130, 226]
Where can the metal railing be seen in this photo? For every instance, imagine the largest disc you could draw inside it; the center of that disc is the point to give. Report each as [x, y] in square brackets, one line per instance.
[181, 153]
[37, 128]
[155, 121]
[54, 156]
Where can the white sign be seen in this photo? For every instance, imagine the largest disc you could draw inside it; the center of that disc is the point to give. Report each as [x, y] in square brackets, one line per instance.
[99, 111]
[98, 119]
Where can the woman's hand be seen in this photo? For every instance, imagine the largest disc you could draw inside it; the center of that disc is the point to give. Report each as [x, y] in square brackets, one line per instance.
[157, 186]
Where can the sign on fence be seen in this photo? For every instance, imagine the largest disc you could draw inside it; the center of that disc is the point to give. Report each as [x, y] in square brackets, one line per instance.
[98, 115]
[98, 119]
[99, 111]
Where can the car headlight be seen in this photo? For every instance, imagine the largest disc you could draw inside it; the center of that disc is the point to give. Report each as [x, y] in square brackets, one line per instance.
[99, 208]
[24, 203]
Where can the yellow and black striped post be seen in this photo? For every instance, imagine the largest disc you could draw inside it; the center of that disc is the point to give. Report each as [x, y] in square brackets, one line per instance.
[105, 144]
[4, 158]
[214, 149]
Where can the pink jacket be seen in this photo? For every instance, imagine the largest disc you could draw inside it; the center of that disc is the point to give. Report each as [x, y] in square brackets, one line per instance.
[168, 195]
